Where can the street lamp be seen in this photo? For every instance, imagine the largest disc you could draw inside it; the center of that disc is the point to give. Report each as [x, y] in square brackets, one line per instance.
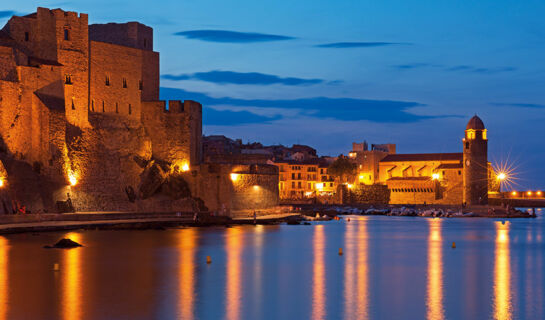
[500, 177]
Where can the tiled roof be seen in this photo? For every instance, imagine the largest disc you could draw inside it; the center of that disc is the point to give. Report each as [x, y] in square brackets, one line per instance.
[409, 179]
[450, 166]
[423, 157]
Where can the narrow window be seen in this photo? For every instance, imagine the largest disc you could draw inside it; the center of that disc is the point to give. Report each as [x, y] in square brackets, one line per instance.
[467, 145]
[145, 42]
[130, 109]
[124, 83]
[102, 106]
[116, 108]
[68, 79]
[459, 172]
[140, 85]
[93, 105]
[73, 105]
[27, 36]
[107, 80]
[66, 34]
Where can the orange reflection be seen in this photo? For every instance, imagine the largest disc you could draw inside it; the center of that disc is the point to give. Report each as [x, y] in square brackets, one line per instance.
[349, 266]
[187, 244]
[502, 274]
[363, 269]
[3, 278]
[71, 280]
[233, 247]
[258, 265]
[318, 281]
[435, 309]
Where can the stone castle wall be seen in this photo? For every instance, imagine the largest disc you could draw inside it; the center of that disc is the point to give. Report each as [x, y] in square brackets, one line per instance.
[115, 80]
[129, 156]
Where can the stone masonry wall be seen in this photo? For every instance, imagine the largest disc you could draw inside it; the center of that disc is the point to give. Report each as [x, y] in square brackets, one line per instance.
[115, 80]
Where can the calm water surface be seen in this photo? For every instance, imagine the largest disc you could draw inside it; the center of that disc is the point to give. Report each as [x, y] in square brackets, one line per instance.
[392, 268]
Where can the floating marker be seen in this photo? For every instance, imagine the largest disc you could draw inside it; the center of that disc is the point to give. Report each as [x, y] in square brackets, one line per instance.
[340, 251]
[208, 260]
[56, 267]
[453, 245]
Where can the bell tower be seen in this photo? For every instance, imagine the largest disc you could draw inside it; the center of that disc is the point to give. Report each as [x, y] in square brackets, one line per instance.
[475, 163]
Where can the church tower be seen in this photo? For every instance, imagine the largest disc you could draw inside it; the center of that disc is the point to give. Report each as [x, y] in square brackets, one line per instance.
[475, 163]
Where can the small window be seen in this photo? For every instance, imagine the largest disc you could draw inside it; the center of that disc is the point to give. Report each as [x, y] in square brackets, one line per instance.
[27, 36]
[93, 105]
[107, 80]
[331, 184]
[124, 83]
[145, 42]
[66, 34]
[130, 109]
[459, 172]
[140, 85]
[116, 107]
[467, 145]
[102, 106]
[73, 105]
[67, 79]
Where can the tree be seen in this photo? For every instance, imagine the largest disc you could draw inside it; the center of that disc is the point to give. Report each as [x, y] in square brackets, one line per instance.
[343, 168]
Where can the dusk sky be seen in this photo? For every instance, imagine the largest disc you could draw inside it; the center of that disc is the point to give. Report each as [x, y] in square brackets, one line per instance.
[327, 73]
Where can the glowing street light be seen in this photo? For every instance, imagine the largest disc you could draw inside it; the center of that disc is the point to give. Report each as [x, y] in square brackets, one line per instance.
[501, 176]
[234, 177]
[435, 176]
[72, 179]
[1, 182]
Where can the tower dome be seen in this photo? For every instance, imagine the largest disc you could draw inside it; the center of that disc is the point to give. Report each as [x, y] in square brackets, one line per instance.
[475, 123]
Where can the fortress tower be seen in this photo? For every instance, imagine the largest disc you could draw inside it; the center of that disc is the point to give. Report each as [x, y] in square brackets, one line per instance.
[475, 164]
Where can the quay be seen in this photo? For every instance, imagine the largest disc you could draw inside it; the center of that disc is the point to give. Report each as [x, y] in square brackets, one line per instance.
[125, 220]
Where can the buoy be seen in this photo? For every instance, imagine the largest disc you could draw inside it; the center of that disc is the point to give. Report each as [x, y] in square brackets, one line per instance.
[340, 251]
[208, 260]
[56, 267]
[348, 219]
[453, 245]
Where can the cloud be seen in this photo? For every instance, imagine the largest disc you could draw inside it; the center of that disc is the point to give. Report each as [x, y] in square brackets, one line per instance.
[212, 116]
[473, 69]
[6, 14]
[346, 109]
[413, 66]
[230, 36]
[343, 45]
[519, 105]
[232, 77]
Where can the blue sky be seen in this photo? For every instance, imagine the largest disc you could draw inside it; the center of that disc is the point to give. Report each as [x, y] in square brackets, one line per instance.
[327, 73]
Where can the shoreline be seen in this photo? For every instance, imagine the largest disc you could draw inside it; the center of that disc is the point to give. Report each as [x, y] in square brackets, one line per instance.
[10, 224]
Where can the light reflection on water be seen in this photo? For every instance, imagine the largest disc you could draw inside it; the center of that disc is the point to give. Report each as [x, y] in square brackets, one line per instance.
[4, 256]
[435, 271]
[72, 288]
[318, 278]
[187, 244]
[502, 273]
[391, 267]
[233, 247]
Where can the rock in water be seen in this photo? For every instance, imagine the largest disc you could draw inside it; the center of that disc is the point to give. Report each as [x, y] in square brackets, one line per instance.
[65, 244]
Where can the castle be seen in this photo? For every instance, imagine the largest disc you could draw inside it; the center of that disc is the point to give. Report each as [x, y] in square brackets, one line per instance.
[80, 117]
